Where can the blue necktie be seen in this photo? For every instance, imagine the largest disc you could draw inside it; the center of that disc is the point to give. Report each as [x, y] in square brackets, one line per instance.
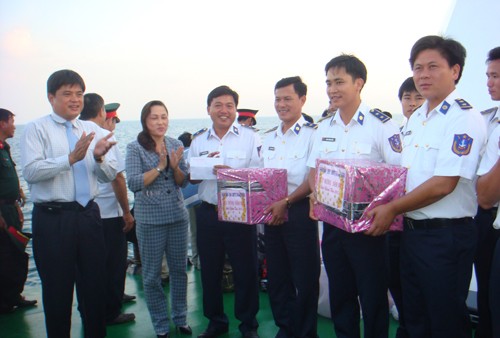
[80, 175]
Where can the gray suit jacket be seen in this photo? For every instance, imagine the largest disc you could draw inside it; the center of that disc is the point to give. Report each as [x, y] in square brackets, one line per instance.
[161, 202]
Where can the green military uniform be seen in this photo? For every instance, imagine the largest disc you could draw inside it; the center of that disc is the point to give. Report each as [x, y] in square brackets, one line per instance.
[13, 261]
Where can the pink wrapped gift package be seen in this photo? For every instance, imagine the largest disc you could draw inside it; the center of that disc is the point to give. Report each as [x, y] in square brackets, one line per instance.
[347, 189]
[244, 194]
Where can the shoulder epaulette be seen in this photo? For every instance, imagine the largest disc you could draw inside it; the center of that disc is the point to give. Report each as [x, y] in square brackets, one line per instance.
[271, 130]
[199, 132]
[380, 115]
[250, 127]
[489, 111]
[463, 104]
[311, 125]
[327, 116]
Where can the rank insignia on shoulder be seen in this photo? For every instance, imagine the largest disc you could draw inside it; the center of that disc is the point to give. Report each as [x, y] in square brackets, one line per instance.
[395, 143]
[199, 132]
[204, 153]
[271, 130]
[489, 111]
[326, 117]
[462, 143]
[463, 104]
[311, 125]
[380, 115]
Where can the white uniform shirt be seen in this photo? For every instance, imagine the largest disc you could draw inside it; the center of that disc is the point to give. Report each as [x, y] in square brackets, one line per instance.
[290, 151]
[45, 161]
[364, 137]
[447, 142]
[491, 118]
[106, 199]
[239, 148]
[492, 152]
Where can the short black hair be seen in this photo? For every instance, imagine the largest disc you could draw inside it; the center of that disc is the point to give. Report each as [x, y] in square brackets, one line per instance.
[220, 91]
[352, 65]
[185, 138]
[92, 105]
[299, 86]
[62, 78]
[308, 118]
[5, 114]
[408, 86]
[450, 49]
[493, 54]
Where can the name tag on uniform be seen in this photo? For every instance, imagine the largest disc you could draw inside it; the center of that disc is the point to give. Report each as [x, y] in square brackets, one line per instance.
[328, 139]
[271, 148]
[204, 153]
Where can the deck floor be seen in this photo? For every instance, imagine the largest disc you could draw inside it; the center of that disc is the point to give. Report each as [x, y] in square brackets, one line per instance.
[29, 323]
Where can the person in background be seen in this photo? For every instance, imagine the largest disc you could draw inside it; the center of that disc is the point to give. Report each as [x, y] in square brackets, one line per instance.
[129, 222]
[191, 200]
[292, 246]
[62, 159]
[246, 117]
[13, 259]
[115, 214]
[355, 263]
[441, 146]
[488, 189]
[410, 100]
[239, 147]
[156, 171]
[409, 97]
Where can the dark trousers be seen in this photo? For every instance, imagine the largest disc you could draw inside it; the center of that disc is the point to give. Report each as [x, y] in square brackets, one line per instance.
[393, 239]
[239, 241]
[436, 268]
[116, 265]
[356, 266]
[292, 253]
[13, 271]
[486, 241]
[69, 244]
[495, 292]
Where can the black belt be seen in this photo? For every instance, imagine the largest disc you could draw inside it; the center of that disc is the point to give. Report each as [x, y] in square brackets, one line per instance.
[4, 202]
[60, 206]
[434, 223]
[212, 206]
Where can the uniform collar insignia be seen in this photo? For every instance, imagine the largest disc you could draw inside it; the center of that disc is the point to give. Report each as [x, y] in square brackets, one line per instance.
[297, 128]
[444, 108]
[361, 118]
[236, 130]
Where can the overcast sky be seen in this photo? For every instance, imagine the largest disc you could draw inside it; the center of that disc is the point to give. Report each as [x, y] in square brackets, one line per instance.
[132, 52]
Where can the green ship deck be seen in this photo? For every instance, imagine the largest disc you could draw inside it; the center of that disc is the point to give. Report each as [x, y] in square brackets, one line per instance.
[29, 323]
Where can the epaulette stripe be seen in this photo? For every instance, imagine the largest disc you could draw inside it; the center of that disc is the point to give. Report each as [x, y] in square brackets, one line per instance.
[199, 132]
[464, 105]
[380, 115]
[489, 111]
[311, 125]
[270, 130]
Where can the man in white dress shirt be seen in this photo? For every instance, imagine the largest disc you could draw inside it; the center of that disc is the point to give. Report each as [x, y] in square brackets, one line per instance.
[68, 241]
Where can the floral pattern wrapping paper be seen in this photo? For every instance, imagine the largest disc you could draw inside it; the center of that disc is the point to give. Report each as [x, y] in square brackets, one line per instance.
[347, 189]
[244, 194]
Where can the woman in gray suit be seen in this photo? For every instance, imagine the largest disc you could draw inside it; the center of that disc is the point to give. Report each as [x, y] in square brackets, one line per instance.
[156, 171]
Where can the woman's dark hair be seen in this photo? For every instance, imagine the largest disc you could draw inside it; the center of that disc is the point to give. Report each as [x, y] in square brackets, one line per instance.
[144, 138]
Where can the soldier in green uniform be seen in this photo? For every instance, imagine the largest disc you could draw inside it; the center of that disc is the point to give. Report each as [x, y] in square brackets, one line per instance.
[13, 259]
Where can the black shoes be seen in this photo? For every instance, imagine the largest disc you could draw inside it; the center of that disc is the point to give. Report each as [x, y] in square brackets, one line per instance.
[122, 318]
[166, 335]
[127, 298]
[23, 302]
[213, 332]
[184, 329]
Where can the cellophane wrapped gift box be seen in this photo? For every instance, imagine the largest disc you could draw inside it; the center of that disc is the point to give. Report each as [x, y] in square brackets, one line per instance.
[347, 189]
[244, 194]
